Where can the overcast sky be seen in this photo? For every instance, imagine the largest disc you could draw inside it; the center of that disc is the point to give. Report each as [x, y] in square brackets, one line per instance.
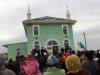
[86, 12]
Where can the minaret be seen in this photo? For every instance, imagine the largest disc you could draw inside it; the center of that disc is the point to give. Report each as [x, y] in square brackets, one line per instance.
[28, 13]
[67, 13]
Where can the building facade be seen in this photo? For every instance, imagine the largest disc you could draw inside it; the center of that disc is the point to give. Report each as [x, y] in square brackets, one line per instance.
[47, 32]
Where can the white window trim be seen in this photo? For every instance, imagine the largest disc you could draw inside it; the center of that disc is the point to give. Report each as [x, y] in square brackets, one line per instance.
[52, 39]
[53, 45]
[67, 30]
[38, 29]
[34, 44]
[68, 42]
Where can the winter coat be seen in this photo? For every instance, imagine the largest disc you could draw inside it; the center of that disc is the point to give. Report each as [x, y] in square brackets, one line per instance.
[81, 72]
[92, 66]
[54, 71]
[8, 72]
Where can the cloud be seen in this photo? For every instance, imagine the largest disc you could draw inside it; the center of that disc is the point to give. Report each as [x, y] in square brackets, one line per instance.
[13, 12]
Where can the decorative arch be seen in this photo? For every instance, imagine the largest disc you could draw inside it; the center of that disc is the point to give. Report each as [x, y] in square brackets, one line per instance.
[50, 43]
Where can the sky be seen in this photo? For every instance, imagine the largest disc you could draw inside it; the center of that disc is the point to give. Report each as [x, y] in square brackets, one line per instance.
[86, 12]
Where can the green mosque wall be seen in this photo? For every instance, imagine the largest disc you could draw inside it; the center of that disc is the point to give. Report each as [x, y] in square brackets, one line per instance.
[12, 49]
[47, 32]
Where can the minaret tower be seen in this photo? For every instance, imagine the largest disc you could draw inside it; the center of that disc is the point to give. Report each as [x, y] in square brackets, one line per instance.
[28, 13]
[68, 14]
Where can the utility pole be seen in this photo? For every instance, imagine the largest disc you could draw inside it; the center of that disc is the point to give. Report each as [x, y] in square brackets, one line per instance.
[85, 41]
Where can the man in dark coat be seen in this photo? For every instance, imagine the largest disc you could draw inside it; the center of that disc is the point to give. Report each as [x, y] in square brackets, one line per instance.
[90, 64]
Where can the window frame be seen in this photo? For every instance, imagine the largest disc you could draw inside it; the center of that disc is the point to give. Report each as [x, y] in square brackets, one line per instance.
[37, 44]
[67, 30]
[38, 26]
[52, 43]
[64, 43]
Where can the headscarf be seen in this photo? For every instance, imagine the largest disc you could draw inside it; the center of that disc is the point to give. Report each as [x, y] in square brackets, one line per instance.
[52, 60]
[30, 66]
[73, 64]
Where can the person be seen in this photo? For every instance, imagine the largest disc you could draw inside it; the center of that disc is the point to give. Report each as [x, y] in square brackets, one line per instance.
[29, 66]
[52, 69]
[68, 52]
[90, 64]
[35, 52]
[83, 59]
[98, 56]
[42, 62]
[43, 51]
[11, 65]
[73, 66]
[17, 64]
[62, 51]
[61, 62]
[3, 69]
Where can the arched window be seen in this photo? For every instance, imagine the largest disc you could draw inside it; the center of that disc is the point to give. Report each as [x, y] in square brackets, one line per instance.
[52, 42]
[65, 30]
[36, 31]
[49, 43]
[66, 43]
[37, 45]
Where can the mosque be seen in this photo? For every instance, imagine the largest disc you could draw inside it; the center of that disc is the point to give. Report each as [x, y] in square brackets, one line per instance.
[47, 32]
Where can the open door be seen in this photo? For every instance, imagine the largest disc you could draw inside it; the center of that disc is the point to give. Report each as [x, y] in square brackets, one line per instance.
[56, 50]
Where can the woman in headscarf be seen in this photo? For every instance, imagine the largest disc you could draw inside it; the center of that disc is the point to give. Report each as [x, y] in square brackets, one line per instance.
[29, 66]
[73, 66]
[52, 63]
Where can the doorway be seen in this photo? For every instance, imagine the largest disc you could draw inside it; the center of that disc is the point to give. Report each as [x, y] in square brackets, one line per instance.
[53, 45]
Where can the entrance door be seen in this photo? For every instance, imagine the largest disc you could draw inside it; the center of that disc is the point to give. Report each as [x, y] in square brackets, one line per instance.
[52, 44]
[55, 50]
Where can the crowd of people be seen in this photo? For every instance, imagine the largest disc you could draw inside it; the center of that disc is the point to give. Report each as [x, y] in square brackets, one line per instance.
[48, 63]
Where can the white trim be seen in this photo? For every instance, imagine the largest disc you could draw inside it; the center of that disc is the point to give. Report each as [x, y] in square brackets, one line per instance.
[67, 29]
[38, 29]
[50, 40]
[53, 45]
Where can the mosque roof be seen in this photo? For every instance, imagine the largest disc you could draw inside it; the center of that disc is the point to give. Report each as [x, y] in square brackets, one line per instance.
[49, 19]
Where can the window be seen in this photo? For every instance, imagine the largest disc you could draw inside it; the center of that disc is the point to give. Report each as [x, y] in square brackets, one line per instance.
[36, 31]
[65, 30]
[37, 45]
[52, 42]
[18, 51]
[66, 43]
